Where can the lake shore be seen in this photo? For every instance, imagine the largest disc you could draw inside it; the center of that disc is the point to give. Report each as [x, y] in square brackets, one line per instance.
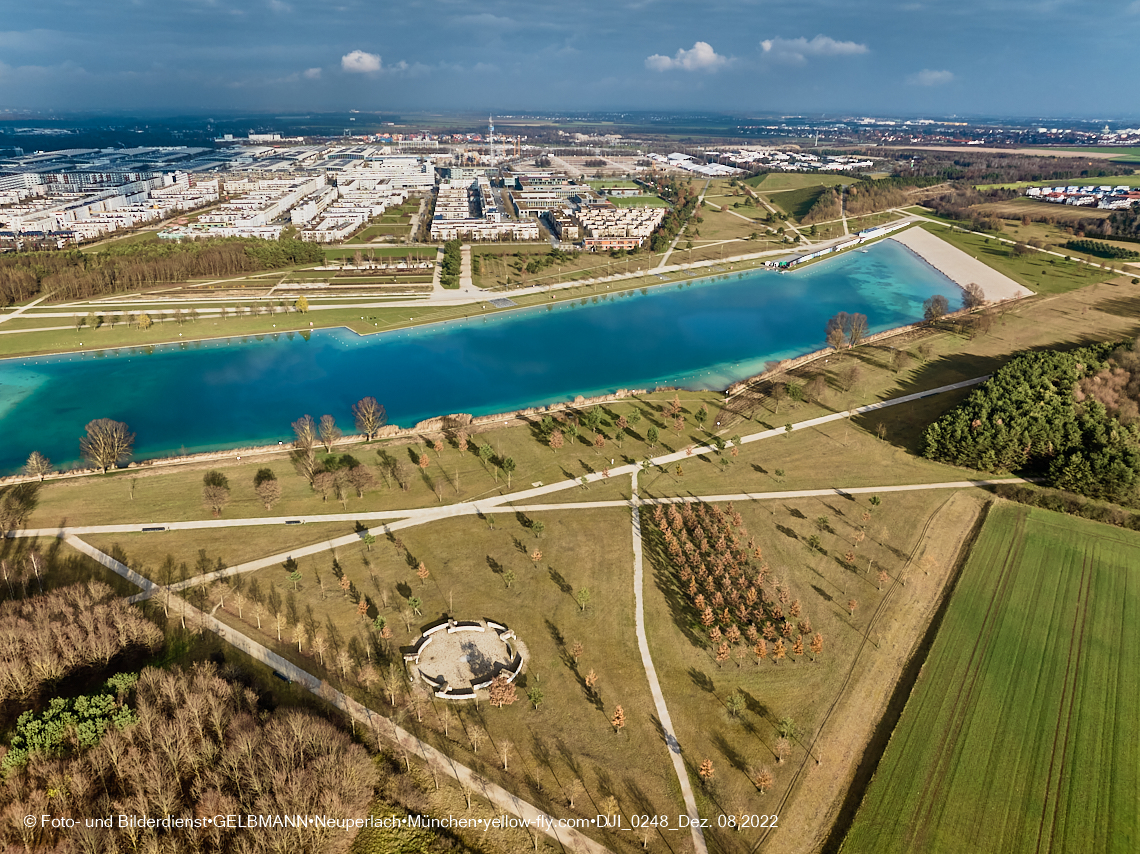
[958, 266]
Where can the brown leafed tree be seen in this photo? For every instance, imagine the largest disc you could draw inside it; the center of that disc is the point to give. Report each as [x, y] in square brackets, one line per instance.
[324, 482]
[536, 555]
[618, 720]
[330, 434]
[763, 780]
[107, 443]
[424, 462]
[816, 644]
[884, 577]
[422, 573]
[556, 440]
[779, 650]
[591, 680]
[798, 646]
[268, 492]
[706, 771]
[761, 650]
[852, 604]
[370, 417]
[576, 650]
[722, 653]
[502, 692]
[361, 479]
[215, 497]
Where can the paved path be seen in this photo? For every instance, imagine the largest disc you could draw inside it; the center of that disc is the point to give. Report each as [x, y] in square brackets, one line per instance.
[655, 686]
[673, 245]
[382, 727]
[6, 317]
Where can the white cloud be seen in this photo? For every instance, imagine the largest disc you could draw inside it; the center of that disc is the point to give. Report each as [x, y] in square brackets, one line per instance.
[312, 74]
[701, 57]
[359, 62]
[929, 77]
[798, 50]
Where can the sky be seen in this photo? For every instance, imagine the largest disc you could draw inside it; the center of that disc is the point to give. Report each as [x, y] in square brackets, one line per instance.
[1033, 58]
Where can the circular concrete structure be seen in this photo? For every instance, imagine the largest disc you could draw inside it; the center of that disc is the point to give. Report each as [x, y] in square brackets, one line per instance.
[458, 657]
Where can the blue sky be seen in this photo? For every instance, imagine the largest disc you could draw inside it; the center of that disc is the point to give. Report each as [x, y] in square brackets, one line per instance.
[967, 57]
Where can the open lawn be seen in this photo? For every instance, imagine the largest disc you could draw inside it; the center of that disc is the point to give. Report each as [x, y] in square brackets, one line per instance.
[1042, 274]
[775, 181]
[1022, 732]
[476, 571]
[639, 202]
[1109, 181]
[701, 691]
[796, 203]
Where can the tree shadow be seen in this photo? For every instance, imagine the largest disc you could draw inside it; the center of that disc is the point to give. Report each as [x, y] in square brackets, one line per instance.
[702, 680]
[823, 594]
[795, 513]
[494, 565]
[787, 532]
[558, 579]
[734, 757]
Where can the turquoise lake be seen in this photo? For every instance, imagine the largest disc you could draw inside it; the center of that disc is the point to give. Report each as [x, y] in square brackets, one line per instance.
[211, 395]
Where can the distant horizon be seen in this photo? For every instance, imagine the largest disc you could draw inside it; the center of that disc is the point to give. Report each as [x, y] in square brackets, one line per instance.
[11, 114]
[1057, 59]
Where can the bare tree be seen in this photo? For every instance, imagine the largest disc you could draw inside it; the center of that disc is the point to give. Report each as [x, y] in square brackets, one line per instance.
[370, 417]
[974, 296]
[107, 443]
[38, 465]
[305, 430]
[330, 434]
[782, 748]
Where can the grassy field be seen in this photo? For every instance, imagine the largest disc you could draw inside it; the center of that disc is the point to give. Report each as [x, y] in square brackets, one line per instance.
[569, 736]
[698, 688]
[1110, 181]
[796, 203]
[1042, 274]
[639, 202]
[1032, 688]
[774, 181]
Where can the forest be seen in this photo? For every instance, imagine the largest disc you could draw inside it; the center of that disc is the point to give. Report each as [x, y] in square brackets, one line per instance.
[1070, 417]
[866, 197]
[193, 745]
[82, 275]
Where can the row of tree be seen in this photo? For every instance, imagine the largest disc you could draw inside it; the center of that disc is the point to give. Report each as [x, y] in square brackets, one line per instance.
[81, 275]
[1046, 413]
[726, 584]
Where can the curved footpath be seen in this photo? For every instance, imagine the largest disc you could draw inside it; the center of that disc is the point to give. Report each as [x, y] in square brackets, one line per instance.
[539, 821]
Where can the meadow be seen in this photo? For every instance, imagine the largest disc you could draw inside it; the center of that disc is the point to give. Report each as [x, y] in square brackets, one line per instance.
[1031, 693]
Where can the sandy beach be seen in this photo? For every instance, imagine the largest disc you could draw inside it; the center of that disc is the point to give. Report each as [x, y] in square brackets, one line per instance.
[959, 267]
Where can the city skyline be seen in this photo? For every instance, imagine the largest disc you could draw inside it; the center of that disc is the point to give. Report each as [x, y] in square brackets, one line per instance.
[1026, 59]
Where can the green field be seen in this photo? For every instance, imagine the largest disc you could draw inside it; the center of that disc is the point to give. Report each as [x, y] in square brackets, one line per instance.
[1110, 181]
[1021, 734]
[639, 202]
[796, 203]
[774, 181]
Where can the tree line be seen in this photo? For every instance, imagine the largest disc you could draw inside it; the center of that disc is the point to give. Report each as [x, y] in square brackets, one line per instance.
[81, 275]
[1045, 413]
[1102, 250]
